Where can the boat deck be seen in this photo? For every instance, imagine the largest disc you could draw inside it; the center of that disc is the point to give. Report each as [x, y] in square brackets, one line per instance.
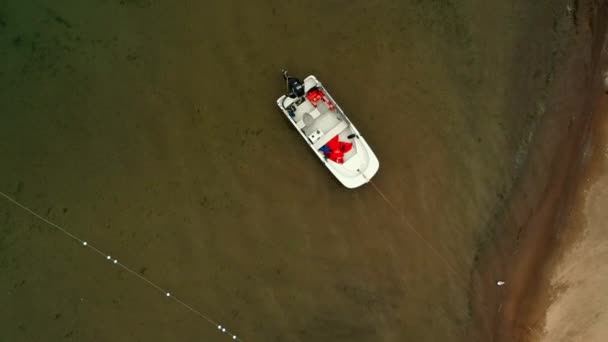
[320, 123]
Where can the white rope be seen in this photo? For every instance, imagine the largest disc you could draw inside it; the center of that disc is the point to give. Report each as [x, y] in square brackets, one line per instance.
[409, 225]
[462, 280]
[115, 261]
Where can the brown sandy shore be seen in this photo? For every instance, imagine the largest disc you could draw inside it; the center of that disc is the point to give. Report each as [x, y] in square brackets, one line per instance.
[535, 240]
[577, 311]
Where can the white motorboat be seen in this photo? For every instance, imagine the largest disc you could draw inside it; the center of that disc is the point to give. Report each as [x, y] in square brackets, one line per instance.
[328, 131]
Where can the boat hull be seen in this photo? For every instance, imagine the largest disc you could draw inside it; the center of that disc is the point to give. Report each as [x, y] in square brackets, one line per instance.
[360, 165]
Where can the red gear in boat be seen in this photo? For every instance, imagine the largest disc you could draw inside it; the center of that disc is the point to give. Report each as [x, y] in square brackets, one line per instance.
[316, 95]
[334, 143]
[329, 104]
[338, 149]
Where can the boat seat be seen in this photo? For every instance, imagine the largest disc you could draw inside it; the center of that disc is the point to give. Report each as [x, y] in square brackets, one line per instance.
[322, 107]
[327, 136]
[315, 113]
[308, 118]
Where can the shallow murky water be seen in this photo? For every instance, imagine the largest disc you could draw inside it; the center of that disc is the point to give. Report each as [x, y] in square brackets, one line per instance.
[149, 128]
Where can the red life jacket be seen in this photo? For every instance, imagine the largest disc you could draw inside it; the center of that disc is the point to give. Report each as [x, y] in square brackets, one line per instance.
[338, 149]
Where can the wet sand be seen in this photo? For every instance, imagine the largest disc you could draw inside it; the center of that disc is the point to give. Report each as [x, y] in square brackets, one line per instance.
[576, 273]
[149, 128]
[577, 311]
[543, 221]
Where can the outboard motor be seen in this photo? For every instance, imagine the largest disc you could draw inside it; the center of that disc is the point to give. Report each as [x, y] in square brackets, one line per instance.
[295, 87]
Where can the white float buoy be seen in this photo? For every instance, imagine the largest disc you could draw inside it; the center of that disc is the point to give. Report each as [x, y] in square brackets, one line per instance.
[500, 283]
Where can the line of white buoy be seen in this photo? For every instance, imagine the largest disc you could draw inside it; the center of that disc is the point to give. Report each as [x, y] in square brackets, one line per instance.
[108, 257]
